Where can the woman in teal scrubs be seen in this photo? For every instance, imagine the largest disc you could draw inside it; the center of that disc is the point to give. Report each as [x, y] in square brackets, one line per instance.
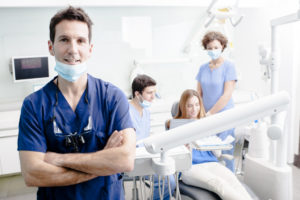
[216, 81]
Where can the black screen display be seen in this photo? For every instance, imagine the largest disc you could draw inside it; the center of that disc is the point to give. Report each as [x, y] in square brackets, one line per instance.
[31, 68]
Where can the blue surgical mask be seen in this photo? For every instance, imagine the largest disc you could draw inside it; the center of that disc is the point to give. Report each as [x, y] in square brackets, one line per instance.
[145, 103]
[214, 54]
[70, 72]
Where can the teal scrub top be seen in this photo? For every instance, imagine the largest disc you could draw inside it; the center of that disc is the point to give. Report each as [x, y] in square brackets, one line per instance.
[140, 123]
[212, 83]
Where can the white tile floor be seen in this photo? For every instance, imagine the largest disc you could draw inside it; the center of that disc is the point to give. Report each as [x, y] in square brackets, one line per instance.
[14, 188]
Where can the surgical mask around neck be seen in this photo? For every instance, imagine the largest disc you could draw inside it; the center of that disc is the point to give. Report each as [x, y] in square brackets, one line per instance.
[70, 72]
[144, 103]
[214, 54]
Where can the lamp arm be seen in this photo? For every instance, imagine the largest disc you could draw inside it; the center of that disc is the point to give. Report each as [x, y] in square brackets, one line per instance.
[217, 123]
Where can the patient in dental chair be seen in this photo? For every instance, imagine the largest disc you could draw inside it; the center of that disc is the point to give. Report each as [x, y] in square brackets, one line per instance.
[206, 172]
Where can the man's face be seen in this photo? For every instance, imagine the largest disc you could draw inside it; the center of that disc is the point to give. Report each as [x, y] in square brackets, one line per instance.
[71, 43]
[148, 93]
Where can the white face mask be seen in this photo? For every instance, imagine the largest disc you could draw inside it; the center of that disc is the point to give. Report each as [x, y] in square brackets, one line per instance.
[214, 54]
[70, 72]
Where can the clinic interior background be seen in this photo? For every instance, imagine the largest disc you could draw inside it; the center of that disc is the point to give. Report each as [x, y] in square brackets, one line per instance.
[118, 41]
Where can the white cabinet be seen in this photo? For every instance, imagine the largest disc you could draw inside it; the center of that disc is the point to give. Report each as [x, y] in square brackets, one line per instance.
[9, 156]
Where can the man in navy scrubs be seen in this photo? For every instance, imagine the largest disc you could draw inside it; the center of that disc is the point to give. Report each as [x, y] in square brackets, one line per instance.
[75, 134]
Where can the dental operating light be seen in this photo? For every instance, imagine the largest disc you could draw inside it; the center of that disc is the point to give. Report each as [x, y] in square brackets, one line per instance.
[217, 123]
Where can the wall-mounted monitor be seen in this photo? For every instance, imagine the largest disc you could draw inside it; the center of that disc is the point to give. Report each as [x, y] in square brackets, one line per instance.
[30, 68]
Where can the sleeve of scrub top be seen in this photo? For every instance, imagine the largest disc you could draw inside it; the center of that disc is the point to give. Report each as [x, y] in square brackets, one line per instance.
[230, 74]
[199, 73]
[31, 136]
[119, 110]
[132, 116]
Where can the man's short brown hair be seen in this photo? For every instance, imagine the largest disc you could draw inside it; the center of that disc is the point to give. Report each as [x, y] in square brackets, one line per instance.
[71, 14]
[140, 83]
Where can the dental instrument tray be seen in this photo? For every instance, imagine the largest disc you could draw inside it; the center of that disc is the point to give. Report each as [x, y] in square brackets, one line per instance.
[213, 143]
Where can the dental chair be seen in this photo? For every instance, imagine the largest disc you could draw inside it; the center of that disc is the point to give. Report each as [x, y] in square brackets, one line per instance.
[189, 192]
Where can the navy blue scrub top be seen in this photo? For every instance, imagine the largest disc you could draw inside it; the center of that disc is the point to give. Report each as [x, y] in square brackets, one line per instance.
[108, 110]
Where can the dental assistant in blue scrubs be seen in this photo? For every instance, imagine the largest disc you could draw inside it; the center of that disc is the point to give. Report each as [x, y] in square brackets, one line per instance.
[216, 81]
[143, 93]
[75, 134]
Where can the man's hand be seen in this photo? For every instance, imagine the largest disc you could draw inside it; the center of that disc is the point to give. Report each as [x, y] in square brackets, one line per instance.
[53, 158]
[117, 156]
[114, 140]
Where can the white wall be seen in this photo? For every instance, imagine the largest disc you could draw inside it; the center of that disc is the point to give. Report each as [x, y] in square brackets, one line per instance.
[289, 73]
[24, 31]
[252, 32]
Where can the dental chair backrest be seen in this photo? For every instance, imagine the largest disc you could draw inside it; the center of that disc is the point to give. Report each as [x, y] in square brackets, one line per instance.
[175, 108]
[174, 111]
